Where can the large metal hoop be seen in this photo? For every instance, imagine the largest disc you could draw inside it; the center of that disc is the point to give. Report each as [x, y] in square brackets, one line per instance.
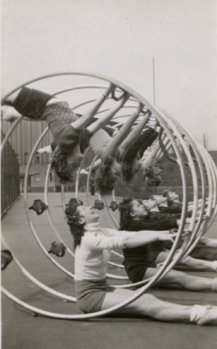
[169, 126]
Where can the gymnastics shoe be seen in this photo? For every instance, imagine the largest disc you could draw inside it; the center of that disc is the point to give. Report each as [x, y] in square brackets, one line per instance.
[113, 205]
[203, 315]
[57, 248]
[38, 206]
[213, 265]
[98, 204]
[9, 113]
[6, 258]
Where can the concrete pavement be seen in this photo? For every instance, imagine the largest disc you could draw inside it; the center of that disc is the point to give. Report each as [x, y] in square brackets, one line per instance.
[20, 330]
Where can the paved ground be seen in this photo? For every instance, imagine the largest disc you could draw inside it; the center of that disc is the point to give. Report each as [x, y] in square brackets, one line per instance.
[20, 330]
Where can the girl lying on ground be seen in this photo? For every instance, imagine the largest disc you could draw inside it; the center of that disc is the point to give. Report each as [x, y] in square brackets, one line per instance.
[92, 252]
[70, 133]
[142, 262]
[122, 155]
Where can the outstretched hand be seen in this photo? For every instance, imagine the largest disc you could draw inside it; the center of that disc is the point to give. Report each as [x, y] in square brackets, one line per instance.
[159, 235]
[167, 237]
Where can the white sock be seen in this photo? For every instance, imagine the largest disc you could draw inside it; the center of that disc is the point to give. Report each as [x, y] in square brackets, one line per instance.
[46, 149]
[163, 204]
[214, 285]
[154, 209]
[197, 312]
[213, 265]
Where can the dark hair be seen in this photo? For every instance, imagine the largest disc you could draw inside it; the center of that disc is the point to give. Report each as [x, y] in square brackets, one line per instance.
[84, 139]
[126, 218]
[76, 228]
[127, 171]
[60, 165]
[165, 193]
[105, 178]
[152, 176]
[92, 183]
[125, 208]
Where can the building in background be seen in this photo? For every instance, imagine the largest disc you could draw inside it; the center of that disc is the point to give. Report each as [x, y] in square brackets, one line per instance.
[23, 140]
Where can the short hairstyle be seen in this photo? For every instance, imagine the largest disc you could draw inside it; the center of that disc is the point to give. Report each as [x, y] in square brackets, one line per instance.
[165, 193]
[76, 228]
[60, 165]
[126, 217]
[152, 176]
[105, 178]
[127, 171]
[125, 208]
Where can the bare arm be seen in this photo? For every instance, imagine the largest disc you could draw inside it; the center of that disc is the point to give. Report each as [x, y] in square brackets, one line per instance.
[102, 121]
[146, 237]
[118, 239]
[135, 133]
[150, 158]
[87, 117]
[189, 263]
[111, 149]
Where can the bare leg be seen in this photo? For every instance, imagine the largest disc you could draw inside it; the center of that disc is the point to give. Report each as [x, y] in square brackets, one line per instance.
[208, 241]
[84, 120]
[119, 137]
[204, 252]
[167, 146]
[102, 121]
[150, 158]
[134, 134]
[154, 308]
[190, 263]
[147, 305]
[181, 280]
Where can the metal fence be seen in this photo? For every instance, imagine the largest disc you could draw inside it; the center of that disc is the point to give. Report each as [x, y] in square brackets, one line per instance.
[10, 177]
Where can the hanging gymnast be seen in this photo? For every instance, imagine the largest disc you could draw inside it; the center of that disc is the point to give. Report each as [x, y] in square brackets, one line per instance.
[92, 252]
[142, 262]
[122, 155]
[70, 133]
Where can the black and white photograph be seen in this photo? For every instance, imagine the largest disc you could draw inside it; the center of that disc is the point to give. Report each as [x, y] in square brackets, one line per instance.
[108, 174]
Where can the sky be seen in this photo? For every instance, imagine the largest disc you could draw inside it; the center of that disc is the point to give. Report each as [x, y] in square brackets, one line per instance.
[119, 38]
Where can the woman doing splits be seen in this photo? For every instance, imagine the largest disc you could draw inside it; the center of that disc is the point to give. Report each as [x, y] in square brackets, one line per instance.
[141, 262]
[92, 252]
[71, 133]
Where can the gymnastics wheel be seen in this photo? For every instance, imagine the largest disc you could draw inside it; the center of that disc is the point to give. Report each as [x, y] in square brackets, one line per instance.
[193, 161]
